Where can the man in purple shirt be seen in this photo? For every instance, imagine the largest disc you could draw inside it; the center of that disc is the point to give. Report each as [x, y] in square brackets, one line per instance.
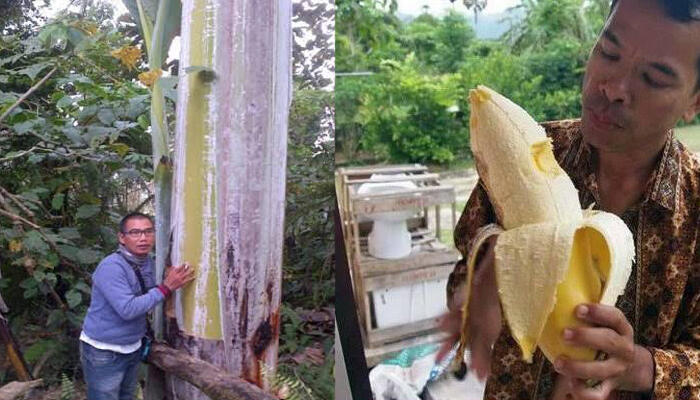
[123, 292]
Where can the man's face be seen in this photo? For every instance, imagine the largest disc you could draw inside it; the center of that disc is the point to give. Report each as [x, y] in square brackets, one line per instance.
[136, 238]
[640, 78]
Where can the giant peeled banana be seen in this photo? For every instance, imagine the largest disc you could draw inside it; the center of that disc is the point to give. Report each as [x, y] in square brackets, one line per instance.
[551, 255]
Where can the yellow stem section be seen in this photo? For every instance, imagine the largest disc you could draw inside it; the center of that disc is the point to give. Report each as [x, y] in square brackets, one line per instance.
[200, 300]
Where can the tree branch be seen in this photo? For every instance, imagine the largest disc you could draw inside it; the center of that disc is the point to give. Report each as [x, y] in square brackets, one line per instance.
[20, 154]
[29, 92]
[51, 243]
[143, 203]
[16, 201]
[20, 219]
[15, 390]
[211, 380]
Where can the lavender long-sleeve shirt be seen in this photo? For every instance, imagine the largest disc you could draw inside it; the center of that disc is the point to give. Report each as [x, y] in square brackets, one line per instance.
[117, 312]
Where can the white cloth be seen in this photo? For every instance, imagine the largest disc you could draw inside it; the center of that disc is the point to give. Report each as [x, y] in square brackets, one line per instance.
[119, 348]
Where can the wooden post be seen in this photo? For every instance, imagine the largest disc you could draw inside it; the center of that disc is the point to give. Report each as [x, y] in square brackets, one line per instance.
[437, 222]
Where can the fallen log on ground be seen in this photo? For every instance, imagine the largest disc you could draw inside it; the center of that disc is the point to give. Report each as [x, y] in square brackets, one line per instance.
[14, 390]
[208, 378]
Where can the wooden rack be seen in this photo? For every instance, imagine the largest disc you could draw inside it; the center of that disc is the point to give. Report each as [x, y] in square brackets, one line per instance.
[430, 259]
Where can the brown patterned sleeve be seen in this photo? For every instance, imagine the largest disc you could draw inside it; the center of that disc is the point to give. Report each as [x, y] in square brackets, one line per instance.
[677, 365]
[477, 214]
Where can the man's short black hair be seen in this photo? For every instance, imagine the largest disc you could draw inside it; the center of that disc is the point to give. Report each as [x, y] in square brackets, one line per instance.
[133, 215]
[680, 11]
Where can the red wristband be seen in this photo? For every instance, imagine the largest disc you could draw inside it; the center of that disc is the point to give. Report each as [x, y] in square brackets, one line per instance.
[164, 289]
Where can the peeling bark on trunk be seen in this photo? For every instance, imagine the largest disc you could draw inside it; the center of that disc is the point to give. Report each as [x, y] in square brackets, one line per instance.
[228, 197]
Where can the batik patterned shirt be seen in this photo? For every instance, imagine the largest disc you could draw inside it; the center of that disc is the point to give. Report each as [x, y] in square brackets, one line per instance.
[661, 300]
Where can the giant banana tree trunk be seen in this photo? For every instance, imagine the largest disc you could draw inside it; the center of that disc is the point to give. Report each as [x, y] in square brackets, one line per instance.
[228, 193]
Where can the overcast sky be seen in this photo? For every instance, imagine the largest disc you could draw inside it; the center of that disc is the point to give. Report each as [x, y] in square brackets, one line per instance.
[58, 5]
[438, 7]
[413, 7]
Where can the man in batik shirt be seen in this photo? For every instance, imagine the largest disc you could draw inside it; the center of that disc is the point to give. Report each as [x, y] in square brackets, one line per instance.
[642, 76]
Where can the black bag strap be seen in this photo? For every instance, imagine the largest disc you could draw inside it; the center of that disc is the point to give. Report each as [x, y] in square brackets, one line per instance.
[142, 283]
[137, 270]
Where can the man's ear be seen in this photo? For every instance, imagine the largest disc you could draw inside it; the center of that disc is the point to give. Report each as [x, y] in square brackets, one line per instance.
[693, 109]
[120, 236]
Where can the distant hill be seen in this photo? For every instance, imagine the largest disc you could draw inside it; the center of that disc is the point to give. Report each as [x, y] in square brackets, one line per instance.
[492, 26]
[488, 26]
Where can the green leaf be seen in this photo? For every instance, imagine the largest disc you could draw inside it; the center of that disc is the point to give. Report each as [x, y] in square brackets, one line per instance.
[74, 78]
[26, 126]
[51, 277]
[106, 116]
[69, 233]
[143, 121]
[49, 260]
[65, 102]
[89, 256]
[87, 112]
[114, 136]
[33, 70]
[168, 85]
[120, 148]
[32, 45]
[34, 242]
[36, 158]
[12, 154]
[83, 287]
[10, 233]
[150, 6]
[96, 135]
[57, 201]
[28, 283]
[171, 28]
[85, 44]
[30, 195]
[138, 105]
[73, 298]
[54, 35]
[39, 275]
[69, 252]
[35, 351]
[76, 37]
[87, 211]
[55, 319]
[73, 134]
[30, 292]
[147, 22]
[74, 319]
[8, 97]
[170, 21]
[11, 59]
[124, 125]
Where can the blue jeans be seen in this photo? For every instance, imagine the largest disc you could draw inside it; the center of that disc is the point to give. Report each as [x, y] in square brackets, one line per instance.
[109, 375]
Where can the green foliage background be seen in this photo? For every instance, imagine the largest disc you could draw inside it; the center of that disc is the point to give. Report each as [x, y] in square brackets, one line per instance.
[413, 107]
[75, 156]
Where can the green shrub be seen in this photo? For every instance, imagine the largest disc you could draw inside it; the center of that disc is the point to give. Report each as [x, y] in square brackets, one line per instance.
[411, 117]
